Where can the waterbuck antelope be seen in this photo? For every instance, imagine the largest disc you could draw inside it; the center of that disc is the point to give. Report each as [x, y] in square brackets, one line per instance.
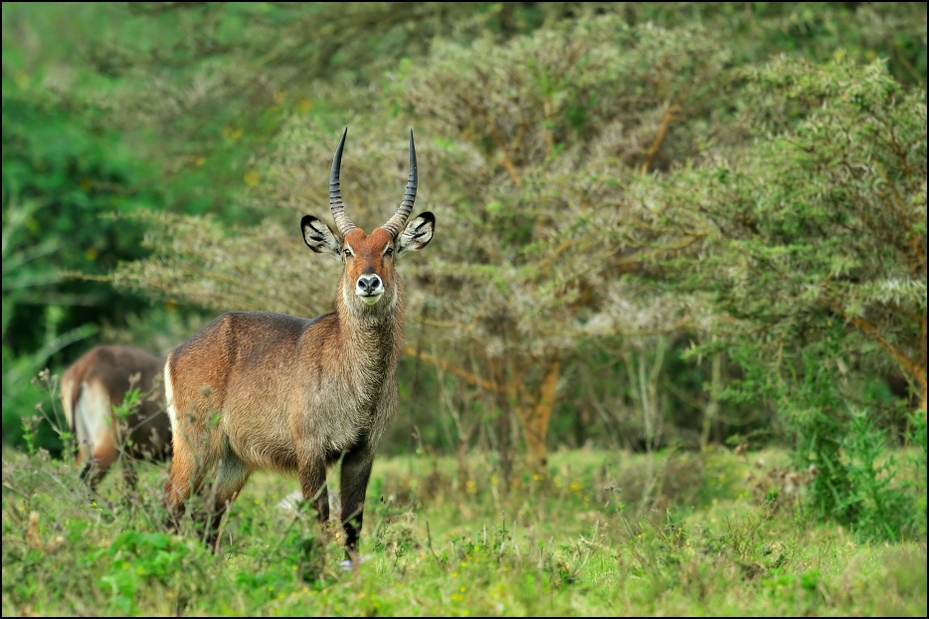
[92, 386]
[265, 391]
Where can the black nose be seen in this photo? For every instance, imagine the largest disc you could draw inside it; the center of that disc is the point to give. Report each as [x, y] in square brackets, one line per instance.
[369, 284]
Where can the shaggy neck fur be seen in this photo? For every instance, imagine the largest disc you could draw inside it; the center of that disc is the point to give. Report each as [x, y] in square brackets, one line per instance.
[372, 336]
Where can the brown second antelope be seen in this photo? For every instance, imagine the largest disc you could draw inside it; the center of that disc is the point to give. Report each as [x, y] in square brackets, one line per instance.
[265, 391]
[92, 386]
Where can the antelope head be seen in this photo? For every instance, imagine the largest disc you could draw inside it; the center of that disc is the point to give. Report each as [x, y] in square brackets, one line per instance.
[369, 259]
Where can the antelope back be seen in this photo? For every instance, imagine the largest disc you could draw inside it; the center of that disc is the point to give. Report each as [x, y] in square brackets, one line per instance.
[241, 377]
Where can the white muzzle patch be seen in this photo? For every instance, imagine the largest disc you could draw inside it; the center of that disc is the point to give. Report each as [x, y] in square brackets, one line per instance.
[370, 299]
[369, 289]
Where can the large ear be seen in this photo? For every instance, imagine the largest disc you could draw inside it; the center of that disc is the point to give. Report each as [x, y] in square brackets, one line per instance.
[417, 234]
[319, 237]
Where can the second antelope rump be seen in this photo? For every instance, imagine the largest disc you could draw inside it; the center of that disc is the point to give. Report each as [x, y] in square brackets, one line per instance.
[91, 387]
[266, 391]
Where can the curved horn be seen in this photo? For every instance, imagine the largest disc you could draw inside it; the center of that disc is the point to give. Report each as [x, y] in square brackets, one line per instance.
[342, 222]
[406, 205]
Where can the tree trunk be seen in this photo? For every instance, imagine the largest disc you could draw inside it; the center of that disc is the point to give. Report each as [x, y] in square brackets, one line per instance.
[712, 408]
[535, 418]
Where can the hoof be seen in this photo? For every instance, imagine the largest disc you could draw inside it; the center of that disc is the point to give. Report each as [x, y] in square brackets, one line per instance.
[347, 565]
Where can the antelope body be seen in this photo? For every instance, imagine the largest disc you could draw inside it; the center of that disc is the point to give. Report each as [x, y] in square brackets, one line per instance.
[266, 391]
[92, 386]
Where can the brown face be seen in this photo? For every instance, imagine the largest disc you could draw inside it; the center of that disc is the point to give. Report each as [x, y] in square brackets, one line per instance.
[369, 263]
[369, 258]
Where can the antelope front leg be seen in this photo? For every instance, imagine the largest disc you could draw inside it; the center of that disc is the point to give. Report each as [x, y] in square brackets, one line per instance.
[356, 469]
[313, 484]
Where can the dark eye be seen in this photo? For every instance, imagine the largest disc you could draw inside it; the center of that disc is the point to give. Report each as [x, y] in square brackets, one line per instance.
[347, 252]
[389, 252]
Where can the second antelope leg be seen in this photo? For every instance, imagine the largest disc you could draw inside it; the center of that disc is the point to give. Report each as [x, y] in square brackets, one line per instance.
[101, 459]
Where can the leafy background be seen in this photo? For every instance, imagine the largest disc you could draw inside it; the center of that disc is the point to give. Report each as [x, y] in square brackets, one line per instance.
[660, 225]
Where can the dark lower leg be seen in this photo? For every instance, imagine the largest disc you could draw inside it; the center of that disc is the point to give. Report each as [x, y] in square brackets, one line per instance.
[92, 474]
[356, 470]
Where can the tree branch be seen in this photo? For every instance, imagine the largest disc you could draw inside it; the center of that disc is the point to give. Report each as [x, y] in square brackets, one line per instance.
[871, 331]
[670, 111]
[452, 369]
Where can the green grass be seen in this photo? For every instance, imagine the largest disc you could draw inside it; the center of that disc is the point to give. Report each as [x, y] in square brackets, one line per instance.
[601, 534]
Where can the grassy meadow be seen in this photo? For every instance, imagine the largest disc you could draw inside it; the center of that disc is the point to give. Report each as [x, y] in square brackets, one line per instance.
[660, 226]
[603, 533]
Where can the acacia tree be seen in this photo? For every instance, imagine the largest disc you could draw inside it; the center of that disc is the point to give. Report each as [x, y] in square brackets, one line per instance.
[823, 221]
[528, 150]
[535, 142]
[815, 268]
